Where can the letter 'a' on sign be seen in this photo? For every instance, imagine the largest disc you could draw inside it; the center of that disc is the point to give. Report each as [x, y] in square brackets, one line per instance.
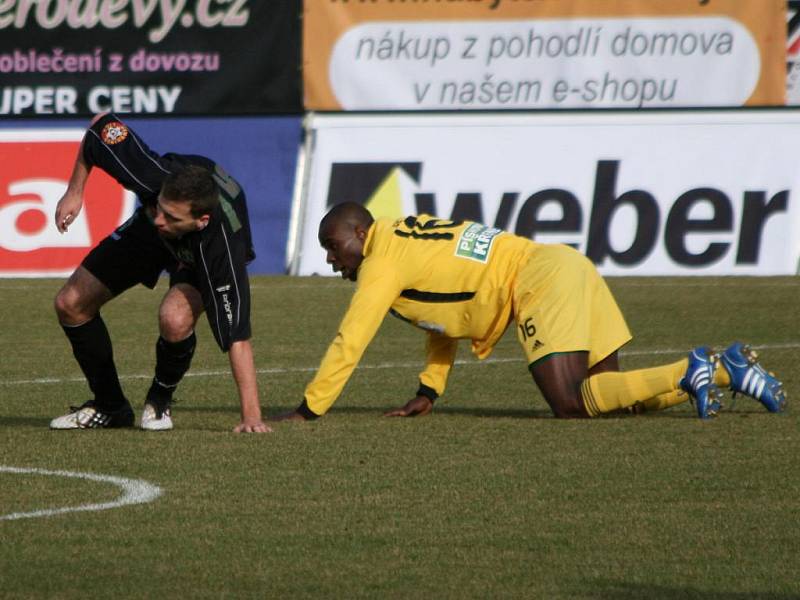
[30, 244]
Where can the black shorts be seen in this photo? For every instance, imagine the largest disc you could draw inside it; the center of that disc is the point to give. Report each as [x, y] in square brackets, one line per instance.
[134, 253]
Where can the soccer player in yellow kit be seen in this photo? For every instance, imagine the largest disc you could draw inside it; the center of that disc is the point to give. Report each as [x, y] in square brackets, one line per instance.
[465, 280]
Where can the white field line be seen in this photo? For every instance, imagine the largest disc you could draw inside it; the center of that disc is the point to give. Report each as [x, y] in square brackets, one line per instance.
[134, 491]
[390, 365]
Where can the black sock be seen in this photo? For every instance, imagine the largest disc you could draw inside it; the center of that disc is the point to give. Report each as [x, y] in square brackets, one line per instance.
[91, 346]
[172, 362]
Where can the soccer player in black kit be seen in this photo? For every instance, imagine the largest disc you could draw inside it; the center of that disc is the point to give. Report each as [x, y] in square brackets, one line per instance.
[193, 223]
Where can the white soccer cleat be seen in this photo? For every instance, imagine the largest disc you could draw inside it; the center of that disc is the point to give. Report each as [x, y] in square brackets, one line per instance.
[155, 418]
[87, 416]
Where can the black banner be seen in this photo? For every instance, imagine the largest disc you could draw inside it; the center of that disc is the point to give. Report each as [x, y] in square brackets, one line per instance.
[186, 57]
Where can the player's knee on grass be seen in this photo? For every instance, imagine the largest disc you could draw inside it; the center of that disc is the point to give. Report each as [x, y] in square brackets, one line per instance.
[559, 378]
[568, 407]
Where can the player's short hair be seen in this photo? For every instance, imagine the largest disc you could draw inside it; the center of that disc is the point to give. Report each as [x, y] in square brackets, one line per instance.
[350, 213]
[193, 184]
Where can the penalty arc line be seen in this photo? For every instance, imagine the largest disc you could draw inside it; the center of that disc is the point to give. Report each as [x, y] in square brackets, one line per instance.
[390, 365]
[134, 491]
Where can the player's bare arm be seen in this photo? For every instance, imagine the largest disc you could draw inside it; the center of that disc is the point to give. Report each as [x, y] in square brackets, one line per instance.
[244, 373]
[69, 207]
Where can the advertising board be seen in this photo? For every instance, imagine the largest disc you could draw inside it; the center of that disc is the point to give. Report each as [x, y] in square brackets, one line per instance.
[38, 160]
[513, 54]
[183, 57]
[657, 193]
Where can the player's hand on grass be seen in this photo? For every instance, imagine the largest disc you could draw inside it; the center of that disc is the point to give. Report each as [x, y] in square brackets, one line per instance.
[67, 210]
[254, 426]
[417, 407]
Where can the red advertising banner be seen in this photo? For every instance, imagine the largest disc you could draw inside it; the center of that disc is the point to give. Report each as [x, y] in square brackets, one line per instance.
[36, 167]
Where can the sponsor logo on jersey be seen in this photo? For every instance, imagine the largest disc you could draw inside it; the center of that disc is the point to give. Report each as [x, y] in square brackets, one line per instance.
[37, 164]
[226, 305]
[114, 133]
[475, 242]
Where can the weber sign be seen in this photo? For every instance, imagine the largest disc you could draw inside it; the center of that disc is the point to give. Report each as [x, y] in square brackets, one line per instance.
[668, 193]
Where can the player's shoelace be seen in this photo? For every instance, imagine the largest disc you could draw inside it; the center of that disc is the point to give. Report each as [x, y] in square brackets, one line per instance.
[98, 419]
[162, 408]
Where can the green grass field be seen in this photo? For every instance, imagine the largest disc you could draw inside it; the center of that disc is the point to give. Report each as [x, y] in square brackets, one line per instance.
[490, 497]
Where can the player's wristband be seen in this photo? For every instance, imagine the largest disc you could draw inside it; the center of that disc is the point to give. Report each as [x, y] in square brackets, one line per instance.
[428, 392]
[306, 412]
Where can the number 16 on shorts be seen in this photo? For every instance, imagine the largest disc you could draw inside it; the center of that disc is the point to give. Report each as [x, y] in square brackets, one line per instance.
[527, 335]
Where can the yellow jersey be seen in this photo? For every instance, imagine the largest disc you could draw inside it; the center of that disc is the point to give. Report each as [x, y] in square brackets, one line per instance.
[452, 279]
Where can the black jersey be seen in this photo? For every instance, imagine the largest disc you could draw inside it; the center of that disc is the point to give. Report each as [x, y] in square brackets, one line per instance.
[216, 255]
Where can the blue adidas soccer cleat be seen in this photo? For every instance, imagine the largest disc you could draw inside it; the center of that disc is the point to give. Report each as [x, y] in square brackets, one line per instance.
[748, 377]
[698, 382]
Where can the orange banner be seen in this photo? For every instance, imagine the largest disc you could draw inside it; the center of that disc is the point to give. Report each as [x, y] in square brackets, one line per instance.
[513, 54]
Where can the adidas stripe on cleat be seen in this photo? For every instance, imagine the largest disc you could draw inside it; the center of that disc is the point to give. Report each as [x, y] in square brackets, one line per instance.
[748, 377]
[698, 382]
[87, 416]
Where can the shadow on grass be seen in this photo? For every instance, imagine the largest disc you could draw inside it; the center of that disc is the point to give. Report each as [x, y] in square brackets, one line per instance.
[180, 407]
[544, 413]
[478, 412]
[497, 413]
[616, 590]
[274, 410]
[37, 422]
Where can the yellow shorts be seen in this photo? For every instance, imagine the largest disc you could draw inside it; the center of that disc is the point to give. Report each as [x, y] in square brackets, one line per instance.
[562, 304]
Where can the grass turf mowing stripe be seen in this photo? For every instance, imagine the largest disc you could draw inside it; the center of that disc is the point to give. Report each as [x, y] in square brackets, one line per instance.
[389, 365]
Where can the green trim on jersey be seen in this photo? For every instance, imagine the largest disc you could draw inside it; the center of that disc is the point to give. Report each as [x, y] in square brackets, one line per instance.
[230, 214]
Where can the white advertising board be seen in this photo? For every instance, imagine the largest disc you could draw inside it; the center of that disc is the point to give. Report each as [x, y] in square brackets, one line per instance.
[547, 64]
[661, 193]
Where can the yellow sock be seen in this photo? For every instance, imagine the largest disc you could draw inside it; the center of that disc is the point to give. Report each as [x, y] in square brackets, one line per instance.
[663, 401]
[607, 392]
